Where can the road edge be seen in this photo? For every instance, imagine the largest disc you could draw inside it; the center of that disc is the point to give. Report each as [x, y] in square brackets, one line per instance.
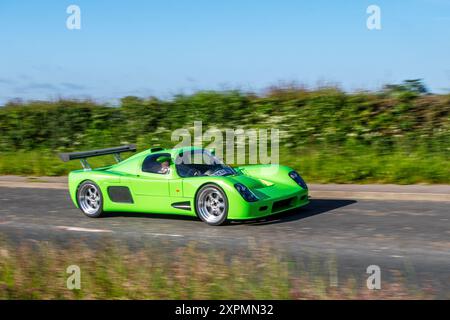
[325, 191]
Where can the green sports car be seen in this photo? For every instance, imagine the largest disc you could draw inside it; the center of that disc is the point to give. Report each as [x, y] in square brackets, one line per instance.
[186, 181]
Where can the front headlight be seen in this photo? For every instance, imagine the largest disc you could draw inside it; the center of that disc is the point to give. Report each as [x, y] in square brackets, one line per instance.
[298, 179]
[246, 193]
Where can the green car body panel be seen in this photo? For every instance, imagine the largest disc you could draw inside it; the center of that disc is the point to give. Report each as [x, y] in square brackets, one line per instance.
[160, 193]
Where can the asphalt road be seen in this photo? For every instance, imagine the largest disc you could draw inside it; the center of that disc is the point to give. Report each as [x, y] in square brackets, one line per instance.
[406, 238]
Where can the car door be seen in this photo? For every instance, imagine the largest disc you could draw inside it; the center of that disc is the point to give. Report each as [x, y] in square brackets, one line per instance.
[150, 186]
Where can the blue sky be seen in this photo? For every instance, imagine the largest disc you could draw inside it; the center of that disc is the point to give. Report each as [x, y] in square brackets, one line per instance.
[177, 46]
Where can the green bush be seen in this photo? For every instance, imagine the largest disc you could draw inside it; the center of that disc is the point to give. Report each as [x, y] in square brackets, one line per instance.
[400, 134]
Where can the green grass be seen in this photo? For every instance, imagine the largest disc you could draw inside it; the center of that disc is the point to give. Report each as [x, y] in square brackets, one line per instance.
[41, 163]
[348, 166]
[370, 167]
[38, 271]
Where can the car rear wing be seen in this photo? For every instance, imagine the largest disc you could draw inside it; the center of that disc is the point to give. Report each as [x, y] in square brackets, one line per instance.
[83, 155]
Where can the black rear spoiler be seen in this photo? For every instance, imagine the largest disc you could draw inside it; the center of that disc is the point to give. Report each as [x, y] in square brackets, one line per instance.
[83, 155]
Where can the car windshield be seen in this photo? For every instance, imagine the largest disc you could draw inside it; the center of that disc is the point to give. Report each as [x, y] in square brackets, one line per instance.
[201, 163]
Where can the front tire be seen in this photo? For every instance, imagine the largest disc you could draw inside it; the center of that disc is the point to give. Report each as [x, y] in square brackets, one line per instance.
[90, 199]
[211, 205]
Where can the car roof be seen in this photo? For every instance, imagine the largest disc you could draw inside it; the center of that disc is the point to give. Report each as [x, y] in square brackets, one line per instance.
[173, 152]
[176, 151]
[127, 164]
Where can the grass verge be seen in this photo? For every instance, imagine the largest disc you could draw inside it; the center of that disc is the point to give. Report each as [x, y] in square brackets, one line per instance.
[325, 166]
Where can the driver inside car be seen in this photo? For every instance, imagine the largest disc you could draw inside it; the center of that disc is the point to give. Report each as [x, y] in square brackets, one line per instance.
[164, 167]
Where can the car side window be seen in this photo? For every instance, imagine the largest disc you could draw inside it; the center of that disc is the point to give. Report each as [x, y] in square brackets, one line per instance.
[151, 164]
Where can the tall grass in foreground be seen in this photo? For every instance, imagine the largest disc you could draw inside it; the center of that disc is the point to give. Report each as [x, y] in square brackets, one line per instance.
[38, 271]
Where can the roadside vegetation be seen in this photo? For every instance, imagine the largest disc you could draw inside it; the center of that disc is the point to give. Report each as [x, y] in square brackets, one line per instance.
[110, 271]
[398, 135]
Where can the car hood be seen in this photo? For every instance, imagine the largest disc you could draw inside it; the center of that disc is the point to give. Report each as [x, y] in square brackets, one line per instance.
[250, 182]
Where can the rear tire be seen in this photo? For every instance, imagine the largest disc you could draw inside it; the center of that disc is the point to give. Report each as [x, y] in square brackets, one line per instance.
[90, 199]
[211, 205]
